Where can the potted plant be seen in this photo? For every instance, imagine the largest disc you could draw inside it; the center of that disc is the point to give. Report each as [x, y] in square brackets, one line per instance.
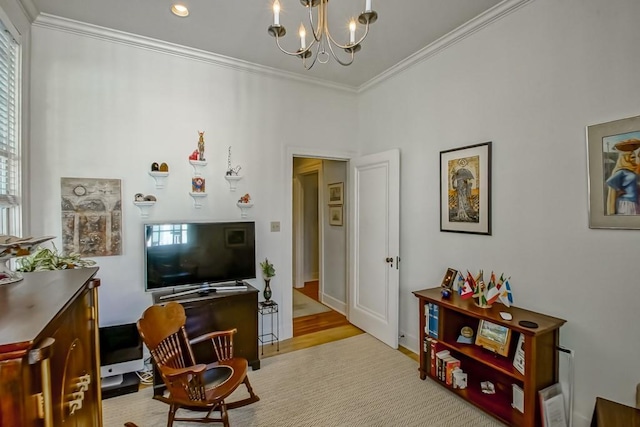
[268, 271]
[46, 259]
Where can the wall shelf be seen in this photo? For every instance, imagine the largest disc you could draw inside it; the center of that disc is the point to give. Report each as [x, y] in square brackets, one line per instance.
[144, 207]
[198, 165]
[244, 208]
[160, 178]
[197, 199]
[233, 181]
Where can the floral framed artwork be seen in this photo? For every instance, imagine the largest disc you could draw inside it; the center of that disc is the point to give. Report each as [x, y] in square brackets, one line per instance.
[465, 189]
[336, 194]
[335, 215]
[613, 172]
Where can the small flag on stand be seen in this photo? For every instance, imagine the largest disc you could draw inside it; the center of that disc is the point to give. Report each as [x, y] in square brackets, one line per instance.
[505, 293]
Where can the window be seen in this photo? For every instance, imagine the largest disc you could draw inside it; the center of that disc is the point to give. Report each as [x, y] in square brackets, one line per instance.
[10, 150]
[168, 234]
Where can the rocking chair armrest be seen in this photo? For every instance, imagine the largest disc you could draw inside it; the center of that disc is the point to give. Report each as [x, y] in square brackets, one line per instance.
[212, 335]
[172, 373]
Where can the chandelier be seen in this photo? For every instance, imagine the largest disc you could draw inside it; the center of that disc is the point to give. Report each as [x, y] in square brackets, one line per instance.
[322, 40]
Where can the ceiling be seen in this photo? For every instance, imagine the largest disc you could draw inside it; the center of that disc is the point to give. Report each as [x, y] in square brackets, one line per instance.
[238, 28]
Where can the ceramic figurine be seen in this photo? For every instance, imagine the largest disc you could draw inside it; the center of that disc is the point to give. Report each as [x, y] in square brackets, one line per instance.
[164, 167]
[201, 146]
[150, 198]
[139, 197]
[194, 155]
[245, 199]
[232, 171]
[154, 167]
[197, 184]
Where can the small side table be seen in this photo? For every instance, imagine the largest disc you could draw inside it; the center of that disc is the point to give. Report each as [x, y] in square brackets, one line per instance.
[272, 311]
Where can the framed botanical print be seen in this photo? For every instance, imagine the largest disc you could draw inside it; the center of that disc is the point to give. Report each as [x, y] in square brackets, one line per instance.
[465, 189]
[614, 193]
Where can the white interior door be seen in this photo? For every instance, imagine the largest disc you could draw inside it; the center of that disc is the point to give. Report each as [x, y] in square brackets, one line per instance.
[375, 245]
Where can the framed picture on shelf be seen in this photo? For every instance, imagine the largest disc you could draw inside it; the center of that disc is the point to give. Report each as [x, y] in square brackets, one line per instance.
[465, 189]
[493, 337]
[335, 215]
[613, 150]
[449, 277]
[336, 194]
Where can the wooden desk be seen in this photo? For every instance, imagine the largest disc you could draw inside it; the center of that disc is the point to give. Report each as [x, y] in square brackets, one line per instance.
[612, 414]
[216, 312]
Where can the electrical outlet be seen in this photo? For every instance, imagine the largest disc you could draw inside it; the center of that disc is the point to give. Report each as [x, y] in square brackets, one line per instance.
[275, 226]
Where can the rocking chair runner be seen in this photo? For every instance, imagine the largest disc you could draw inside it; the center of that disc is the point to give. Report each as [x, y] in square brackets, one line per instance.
[190, 385]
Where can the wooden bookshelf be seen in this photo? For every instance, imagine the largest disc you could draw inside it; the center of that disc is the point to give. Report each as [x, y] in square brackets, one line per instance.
[480, 364]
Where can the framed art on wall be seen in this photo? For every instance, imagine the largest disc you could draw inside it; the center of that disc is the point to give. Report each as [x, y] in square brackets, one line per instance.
[614, 197]
[335, 215]
[336, 193]
[465, 189]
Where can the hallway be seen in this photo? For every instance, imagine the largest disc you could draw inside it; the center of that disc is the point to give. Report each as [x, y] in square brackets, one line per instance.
[316, 322]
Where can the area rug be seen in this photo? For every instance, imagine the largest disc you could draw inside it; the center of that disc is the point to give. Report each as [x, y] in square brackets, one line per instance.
[357, 381]
[305, 306]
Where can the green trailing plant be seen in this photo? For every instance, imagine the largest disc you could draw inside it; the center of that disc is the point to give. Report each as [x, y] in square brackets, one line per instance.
[44, 259]
[267, 268]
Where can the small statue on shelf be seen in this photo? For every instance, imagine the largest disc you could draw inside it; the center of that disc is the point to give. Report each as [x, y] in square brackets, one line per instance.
[231, 171]
[245, 199]
[164, 167]
[155, 167]
[194, 155]
[201, 146]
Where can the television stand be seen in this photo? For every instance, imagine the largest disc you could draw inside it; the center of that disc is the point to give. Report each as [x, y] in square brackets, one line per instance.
[206, 289]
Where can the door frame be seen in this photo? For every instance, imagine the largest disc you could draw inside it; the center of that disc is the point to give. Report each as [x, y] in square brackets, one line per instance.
[299, 223]
[286, 307]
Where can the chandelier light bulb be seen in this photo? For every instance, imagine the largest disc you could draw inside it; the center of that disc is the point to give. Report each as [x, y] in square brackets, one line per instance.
[303, 34]
[276, 12]
[352, 31]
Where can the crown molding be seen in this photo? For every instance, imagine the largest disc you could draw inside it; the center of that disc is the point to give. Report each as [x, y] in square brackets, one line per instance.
[29, 8]
[476, 24]
[134, 40]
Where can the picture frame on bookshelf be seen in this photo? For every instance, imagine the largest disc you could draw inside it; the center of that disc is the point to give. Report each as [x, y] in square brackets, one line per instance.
[493, 337]
[449, 278]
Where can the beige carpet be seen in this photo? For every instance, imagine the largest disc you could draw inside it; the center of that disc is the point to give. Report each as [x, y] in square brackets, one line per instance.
[305, 306]
[357, 381]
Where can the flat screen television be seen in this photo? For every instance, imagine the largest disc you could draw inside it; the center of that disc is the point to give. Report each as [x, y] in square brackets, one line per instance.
[182, 254]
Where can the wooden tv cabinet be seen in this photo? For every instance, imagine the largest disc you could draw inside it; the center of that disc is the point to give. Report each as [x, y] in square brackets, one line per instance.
[215, 312]
[540, 348]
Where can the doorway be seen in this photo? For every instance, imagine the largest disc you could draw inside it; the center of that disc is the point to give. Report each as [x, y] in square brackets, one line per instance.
[319, 246]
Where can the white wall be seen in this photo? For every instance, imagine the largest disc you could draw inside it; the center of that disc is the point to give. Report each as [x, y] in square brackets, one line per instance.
[335, 241]
[530, 83]
[105, 109]
[311, 242]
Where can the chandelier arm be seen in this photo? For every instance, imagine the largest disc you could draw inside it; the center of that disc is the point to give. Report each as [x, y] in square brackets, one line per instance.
[338, 59]
[347, 46]
[296, 53]
[316, 31]
[315, 58]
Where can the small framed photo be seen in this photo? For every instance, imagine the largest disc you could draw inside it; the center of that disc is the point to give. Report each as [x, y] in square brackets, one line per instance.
[336, 194]
[613, 149]
[465, 189]
[335, 215]
[449, 277]
[493, 337]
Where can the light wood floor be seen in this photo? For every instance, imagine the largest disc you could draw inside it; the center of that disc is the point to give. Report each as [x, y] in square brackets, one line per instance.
[309, 331]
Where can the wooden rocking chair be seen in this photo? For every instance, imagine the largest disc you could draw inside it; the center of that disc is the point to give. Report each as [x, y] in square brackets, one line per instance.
[197, 387]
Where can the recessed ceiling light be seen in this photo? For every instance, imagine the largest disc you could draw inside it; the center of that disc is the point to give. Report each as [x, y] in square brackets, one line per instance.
[180, 10]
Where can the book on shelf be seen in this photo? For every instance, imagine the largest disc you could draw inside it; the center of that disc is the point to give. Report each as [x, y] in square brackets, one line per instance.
[440, 356]
[432, 356]
[452, 364]
[433, 311]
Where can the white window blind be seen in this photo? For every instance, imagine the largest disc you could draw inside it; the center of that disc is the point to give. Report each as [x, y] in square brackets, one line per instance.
[9, 143]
